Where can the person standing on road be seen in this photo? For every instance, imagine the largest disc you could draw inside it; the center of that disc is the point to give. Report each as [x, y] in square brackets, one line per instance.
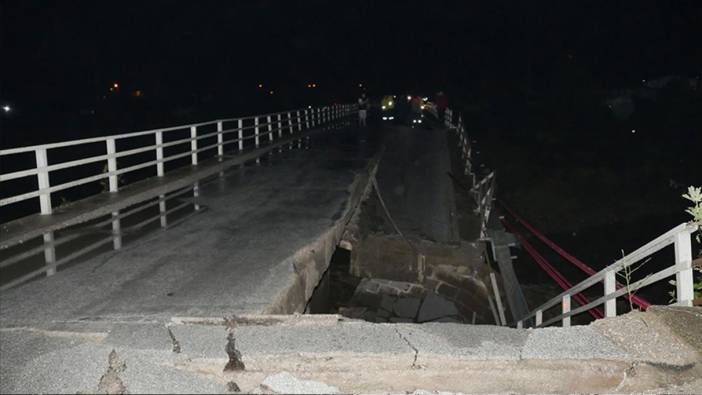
[362, 110]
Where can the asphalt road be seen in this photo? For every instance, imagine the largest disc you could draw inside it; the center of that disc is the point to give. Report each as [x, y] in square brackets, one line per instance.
[232, 257]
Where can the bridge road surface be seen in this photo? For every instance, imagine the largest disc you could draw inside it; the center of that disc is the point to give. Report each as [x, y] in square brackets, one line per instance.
[232, 257]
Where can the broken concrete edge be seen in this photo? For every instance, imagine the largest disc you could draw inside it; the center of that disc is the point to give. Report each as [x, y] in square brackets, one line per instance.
[642, 335]
[263, 320]
[311, 261]
[23, 229]
[416, 356]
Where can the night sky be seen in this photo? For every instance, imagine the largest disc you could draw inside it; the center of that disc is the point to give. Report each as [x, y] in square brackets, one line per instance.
[207, 58]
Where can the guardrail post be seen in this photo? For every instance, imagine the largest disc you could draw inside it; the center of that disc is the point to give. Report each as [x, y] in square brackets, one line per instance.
[270, 128]
[290, 123]
[610, 286]
[319, 115]
[565, 309]
[193, 145]
[240, 124]
[307, 119]
[299, 121]
[159, 153]
[43, 180]
[49, 253]
[256, 137]
[684, 290]
[280, 125]
[520, 325]
[112, 168]
[112, 164]
[220, 141]
[539, 317]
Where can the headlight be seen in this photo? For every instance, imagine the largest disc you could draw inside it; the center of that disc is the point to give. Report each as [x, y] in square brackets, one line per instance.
[382, 107]
[391, 118]
[419, 121]
[409, 97]
[422, 106]
[390, 103]
[385, 118]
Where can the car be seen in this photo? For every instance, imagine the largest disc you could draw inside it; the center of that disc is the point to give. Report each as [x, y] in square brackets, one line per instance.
[388, 107]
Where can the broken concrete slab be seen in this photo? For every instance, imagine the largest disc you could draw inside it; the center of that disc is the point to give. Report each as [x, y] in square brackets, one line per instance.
[436, 341]
[434, 306]
[406, 307]
[662, 335]
[577, 342]
[289, 346]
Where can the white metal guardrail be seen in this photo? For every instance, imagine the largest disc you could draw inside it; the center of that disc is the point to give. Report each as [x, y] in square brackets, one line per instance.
[483, 191]
[679, 237]
[217, 137]
[262, 127]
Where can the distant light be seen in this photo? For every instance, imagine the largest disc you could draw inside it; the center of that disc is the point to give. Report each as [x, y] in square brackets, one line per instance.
[425, 99]
[391, 118]
[309, 106]
[422, 106]
[409, 97]
[633, 130]
[115, 85]
[382, 107]
[6, 108]
[390, 103]
[360, 85]
[419, 121]
[260, 85]
[271, 92]
[314, 85]
[385, 118]
[138, 93]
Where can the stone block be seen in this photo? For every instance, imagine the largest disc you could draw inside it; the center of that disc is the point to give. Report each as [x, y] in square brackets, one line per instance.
[406, 307]
[387, 302]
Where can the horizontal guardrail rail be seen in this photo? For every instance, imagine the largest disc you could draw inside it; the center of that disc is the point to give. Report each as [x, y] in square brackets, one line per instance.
[679, 237]
[252, 128]
[119, 154]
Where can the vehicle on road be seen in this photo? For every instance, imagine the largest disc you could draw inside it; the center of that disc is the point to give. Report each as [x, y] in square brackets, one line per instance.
[387, 108]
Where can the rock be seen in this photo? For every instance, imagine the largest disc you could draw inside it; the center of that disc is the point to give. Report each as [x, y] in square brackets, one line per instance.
[434, 306]
[406, 307]
[286, 383]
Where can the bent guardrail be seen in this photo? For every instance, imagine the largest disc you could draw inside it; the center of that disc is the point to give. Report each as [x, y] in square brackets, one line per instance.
[679, 237]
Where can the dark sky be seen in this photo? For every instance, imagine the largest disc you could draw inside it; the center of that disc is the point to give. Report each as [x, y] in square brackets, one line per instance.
[75, 48]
